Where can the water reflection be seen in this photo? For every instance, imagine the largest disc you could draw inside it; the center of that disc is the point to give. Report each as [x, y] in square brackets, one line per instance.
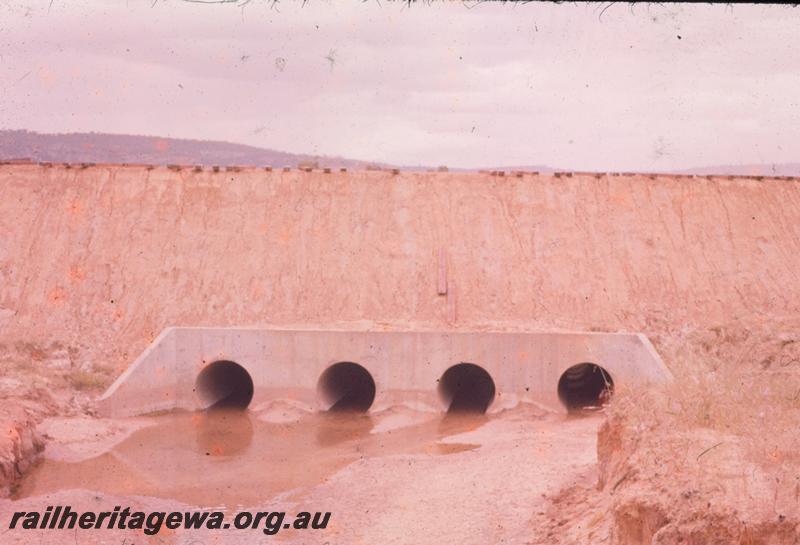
[231, 457]
[223, 432]
[453, 423]
[339, 427]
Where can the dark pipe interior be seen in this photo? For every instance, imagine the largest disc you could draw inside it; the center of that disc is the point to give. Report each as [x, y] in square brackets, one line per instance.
[347, 386]
[466, 387]
[225, 384]
[583, 386]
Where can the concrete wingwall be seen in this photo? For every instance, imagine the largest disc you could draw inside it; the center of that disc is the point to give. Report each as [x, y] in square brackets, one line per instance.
[96, 261]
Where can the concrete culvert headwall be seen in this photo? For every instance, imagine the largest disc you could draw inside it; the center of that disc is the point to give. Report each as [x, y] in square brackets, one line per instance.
[224, 384]
[466, 387]
[585, 385]
[395, 367]
[346, 386]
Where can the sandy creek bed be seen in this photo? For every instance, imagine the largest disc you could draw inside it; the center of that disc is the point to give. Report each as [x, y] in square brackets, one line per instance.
[398, 476]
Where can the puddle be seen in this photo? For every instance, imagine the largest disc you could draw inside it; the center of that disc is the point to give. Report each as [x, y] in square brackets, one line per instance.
[450, 448]
[228, 458]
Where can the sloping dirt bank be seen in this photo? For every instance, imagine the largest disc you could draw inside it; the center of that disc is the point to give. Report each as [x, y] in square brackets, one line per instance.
[711, 459]
[20, 442]
[20, 446]
[98, 260]
[29, 392]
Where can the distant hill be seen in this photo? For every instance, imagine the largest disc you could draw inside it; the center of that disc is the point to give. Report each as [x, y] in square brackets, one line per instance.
[120, 148]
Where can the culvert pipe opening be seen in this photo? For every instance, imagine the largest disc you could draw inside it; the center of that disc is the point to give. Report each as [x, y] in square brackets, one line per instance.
[585, 386]
[224, 384]
[346, 386]
[466, 387]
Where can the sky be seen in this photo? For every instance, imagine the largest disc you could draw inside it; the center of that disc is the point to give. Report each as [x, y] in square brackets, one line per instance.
[603, 86]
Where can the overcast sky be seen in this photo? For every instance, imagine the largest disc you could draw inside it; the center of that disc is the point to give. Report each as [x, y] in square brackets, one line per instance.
[589, 86]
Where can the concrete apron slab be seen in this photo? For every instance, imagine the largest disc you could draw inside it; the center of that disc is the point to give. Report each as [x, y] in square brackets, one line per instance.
[182, 368]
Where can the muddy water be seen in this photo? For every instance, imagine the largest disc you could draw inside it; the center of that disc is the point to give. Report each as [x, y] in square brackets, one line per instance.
[230, 458]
